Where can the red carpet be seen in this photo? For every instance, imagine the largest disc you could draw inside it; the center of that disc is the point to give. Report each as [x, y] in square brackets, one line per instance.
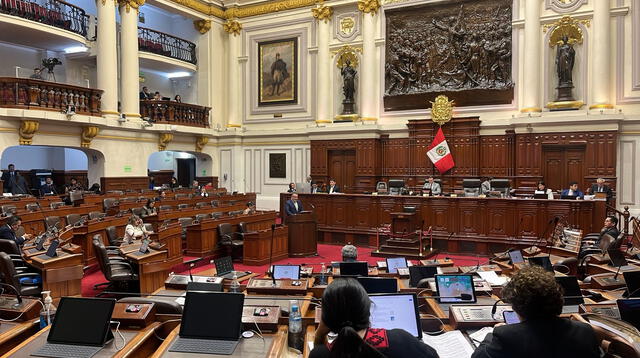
[326, 254]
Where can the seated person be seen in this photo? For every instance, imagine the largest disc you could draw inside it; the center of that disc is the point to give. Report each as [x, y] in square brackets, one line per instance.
[203, 192]
[162, 195]
[149, 209]
[209, 186]
[173, 183]
[536, 297]
[345, 316]
[251, 208]
[196, 186]
[73, 186]
[8, 230]
[135, 230]
[542, 189]
[95, 188]
[573, 191]
[485, 187]
[48, 188]
[333, 188]
[599, 187]
[349, 253]
[431, 186]
[292, 188]
[293, 206]
[610, 227]
[314, 188]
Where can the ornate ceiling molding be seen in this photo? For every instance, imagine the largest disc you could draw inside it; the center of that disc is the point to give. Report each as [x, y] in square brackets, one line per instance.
[244, 11]
[564, 6]
[203, 26]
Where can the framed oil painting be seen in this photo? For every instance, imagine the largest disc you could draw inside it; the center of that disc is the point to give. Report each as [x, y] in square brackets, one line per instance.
[278, 68]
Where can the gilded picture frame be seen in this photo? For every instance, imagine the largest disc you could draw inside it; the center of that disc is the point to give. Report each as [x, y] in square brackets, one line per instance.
[278, 71]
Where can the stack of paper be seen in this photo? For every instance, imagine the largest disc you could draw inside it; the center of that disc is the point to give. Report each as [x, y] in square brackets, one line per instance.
[451, 344]
[493, 278]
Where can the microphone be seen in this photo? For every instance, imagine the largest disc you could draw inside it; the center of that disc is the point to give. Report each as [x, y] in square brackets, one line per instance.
[615, 277]
[273, 277]
[190, 264]
[494, 308]
[313, 206]
[18, 295]
[462, 296]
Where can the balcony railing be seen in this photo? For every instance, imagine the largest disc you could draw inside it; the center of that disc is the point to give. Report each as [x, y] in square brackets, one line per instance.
[170, 112]
[44, 95]
[165, 45]
[55, 13]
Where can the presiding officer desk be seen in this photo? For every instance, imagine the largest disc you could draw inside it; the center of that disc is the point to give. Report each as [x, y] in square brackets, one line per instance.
[480, 225]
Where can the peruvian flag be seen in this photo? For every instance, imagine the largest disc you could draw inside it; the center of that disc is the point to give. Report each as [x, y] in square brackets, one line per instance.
[440, 154]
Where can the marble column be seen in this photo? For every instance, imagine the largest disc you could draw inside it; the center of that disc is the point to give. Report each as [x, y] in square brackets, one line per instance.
[601, 65]
[368, 68]
[532, 71]
[324, 103]
[234, 99]
[107, 57]
[129, 61]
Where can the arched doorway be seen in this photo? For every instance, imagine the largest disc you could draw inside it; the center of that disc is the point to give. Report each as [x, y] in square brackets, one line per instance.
[184, 166]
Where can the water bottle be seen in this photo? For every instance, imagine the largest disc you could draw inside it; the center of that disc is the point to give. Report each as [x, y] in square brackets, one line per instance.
[295, 339]
[323, 275]
[235, 285]
[48, 313]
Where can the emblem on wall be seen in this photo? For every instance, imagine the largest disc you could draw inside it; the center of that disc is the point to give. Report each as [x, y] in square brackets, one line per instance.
[564, 6]
[347, 26]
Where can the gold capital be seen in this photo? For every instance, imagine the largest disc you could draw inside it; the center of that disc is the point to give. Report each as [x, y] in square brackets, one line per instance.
[232, 27]
[128, 4]
[203, 26]
[163, 140]
[27, 130]
[322, 12]
[88, 133]
[369, 6]
[201, 142]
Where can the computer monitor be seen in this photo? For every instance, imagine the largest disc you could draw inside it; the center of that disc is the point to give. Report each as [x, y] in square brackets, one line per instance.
[568, 197]
[617, 257]
[204, 286]
[409, 209]
[516, 257]
[571, 290]
[201, 320]
[471, 183]
[455, 289]
[630, 311]
[543, 261]
[291, 272]
[537, 195]
[500, 183]
[356, 268]
[393, 263]
[379, 284]
[92, 314]
[400, 310]
[396, 183]
[632, 280]
[417, 273]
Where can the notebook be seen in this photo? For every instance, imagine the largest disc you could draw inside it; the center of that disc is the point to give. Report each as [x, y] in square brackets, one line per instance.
[396, 310]
[543, 261]
[632, 279]
[630, 311]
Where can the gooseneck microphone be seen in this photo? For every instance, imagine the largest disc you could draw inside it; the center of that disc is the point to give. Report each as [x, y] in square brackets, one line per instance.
[18, 295]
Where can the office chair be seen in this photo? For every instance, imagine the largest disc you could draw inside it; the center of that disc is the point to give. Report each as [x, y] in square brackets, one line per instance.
[129, 199]
[110, 205]
[201, 205]
[165, 207]
[216, 215]
[8, 210]
[184, 223]
[117, 271]
[96, 215]
[10, 247]
[51, 221]
[230, 240]
[112, 236]
[32, 207]
[612, 344]
[136, 211]
[73, 219]
[181, 196]
[381, 187]
[200, 217]
[19, 280]
[76, 197]
[183, 206]
[56, 204]
[116, 192]
[215, 203]
[148, 227]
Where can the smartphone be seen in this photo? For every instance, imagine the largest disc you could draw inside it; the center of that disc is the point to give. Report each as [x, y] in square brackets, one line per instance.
[510, 317]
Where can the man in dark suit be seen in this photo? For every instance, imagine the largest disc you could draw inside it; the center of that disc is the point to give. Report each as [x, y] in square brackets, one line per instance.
[8, 231]
[145, 94]
[537, 299]
[48, 188]
[599, 187]
[573, 191]
[293, 206]
[610, 227]
[333, 188]
[8, 178]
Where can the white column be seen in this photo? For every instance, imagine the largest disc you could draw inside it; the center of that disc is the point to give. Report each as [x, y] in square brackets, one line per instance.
[601, 66]
[130, 67]
[532, 73]
[234, 119]
[368, 68]
[107, 57]
[324, 96]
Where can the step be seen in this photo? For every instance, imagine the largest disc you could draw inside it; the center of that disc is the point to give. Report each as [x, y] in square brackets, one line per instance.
[387, 253]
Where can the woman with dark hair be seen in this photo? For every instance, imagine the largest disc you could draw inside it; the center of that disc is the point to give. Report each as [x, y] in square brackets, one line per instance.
[149, 209]
[174, 183]
[178, 98]
[537, 299]
[292, 188]
[542, 189]
[134, 230]
[345, 312]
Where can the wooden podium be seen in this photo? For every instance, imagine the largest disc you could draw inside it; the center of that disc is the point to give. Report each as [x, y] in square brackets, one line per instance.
[303, 234]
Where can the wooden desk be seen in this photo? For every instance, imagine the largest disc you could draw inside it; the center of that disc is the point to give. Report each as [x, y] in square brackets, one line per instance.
[480, 225]
[61, 275]
[83, 235]
[171, 237]
[153, 267]
[274, 346]
[202, 238]
[258, 246]
[157, 220]
[134, 339]
[33, 222]
[13, 333]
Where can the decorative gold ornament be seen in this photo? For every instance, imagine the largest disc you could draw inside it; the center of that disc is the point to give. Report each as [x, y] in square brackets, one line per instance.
[232, 27]
[201, 142]
[531, 110]
[565, 105]
[244, 11]
[203, 26]
[369, 6]
[128, 4]
[322, 12]
[347, 25]
[88, 133]
[347, 52]
[347, 117]
[566, 26]
[441, 110]
[27, 130]
[601, 106]
[163, 140]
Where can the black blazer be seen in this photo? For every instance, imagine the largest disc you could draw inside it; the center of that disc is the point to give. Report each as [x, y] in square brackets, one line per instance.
[8, 234]
[605, 189]
[554, 338]
[290, 209]
[48, 189]
[336, 189]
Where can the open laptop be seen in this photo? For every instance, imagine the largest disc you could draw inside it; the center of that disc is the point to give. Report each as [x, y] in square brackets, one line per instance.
[204, 286]
[224, 268]
[211, 323]
[291, 272]
[618, 260]
[394, 263]
[543, 261]
[571, 293]
[396, 310]
[379, 284]
[630, 311]
[455, 289]
[357, 268]
[516, 257]
[66, 340]
[417, 273]
[632, 279]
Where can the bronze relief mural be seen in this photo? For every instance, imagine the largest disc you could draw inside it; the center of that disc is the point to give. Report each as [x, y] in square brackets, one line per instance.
[461, 49]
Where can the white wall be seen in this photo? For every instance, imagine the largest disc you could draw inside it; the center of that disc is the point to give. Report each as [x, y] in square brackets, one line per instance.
[36, 157]
[186, 87]
[166, 160]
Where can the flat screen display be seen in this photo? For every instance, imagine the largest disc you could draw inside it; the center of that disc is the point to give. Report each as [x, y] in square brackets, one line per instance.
[213, 315]
[455, 288]
[393, 264]
[291, 272]
[391, 311]
[91, 314]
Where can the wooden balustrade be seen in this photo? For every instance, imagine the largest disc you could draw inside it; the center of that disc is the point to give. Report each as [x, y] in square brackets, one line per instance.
[44, 95]
[170, 112]
[624, 217]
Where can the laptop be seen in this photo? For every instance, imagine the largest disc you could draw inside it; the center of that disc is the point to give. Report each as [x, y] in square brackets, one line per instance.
[206, 330]
[618, 260]
[516, 257]
[632, 279]
[571, 293]
[568, 197]
[542, 261]
[291, 272]
[396, 310]
[630, 311]
[204, 286]
[379, 284]
[417, 273]
[66, 340]
[394, 263]
[357, 268]
[224, 268]
[455, 289]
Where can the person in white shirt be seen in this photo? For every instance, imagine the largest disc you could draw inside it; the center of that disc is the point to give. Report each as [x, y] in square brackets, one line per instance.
[135, 230]
[431, 187]
[542, 189]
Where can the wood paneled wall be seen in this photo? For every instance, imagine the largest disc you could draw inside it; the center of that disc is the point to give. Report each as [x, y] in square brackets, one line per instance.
[519, 157]
[124, 183]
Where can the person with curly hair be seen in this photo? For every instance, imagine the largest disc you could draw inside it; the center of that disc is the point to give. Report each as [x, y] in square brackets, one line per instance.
[536, 297]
